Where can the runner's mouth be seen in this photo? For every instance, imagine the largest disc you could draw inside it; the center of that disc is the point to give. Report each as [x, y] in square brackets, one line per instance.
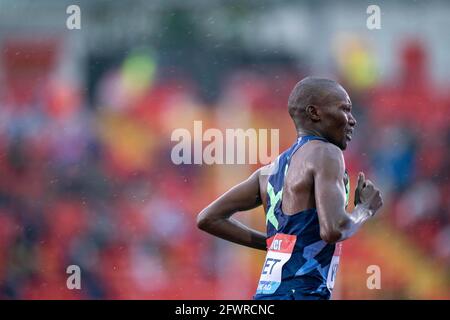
[349, 135]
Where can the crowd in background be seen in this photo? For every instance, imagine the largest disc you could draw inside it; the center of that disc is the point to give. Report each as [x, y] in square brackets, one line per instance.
[91, 182]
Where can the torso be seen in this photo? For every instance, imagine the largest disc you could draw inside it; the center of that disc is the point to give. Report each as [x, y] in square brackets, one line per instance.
[298, 194]
[298, 261]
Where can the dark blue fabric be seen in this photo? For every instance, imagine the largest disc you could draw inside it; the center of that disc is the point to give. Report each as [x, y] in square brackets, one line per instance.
[304, 275]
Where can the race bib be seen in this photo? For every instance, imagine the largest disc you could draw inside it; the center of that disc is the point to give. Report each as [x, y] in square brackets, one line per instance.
[279, 252]
[334, 264]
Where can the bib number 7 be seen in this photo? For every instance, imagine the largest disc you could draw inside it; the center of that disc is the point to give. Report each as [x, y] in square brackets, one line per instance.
[280, 251]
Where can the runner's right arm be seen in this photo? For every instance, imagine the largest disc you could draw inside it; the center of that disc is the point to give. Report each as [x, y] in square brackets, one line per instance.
[335, 223]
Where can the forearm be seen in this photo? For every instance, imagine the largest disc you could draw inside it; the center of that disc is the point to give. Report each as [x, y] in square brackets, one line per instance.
[232, 230]
[216, 218]
[354, 221]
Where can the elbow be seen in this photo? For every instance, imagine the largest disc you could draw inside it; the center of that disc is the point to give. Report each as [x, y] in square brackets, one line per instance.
[330, 235]
[333, 232]
[203, 221]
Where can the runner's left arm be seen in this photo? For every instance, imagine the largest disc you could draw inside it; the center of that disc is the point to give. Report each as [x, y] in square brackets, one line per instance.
[217, 220]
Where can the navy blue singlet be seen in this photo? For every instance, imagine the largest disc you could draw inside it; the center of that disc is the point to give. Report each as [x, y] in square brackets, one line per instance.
[299, 264]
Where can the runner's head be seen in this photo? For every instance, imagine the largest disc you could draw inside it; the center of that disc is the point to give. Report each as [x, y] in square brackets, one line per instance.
[323, 106]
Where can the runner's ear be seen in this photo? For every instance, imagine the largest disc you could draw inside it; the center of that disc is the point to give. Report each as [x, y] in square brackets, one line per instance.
[312, 113]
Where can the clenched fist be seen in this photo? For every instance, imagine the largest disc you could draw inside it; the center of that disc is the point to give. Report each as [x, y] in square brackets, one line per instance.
[367, 194]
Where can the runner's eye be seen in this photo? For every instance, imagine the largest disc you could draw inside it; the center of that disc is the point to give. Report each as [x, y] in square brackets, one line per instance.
[347, 108]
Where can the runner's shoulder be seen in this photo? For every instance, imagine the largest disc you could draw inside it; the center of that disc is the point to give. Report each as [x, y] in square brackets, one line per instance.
[319, 153]
[264, 172]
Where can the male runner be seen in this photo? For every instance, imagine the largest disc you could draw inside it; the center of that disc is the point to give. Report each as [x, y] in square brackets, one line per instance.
[304, 198]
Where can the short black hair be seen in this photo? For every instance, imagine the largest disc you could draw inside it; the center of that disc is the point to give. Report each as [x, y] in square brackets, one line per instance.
[309, 91]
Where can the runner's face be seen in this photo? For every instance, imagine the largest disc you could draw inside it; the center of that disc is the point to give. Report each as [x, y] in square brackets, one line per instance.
[338, 121]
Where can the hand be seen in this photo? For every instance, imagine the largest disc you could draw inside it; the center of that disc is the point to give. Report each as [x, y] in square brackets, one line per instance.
[367, 194]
